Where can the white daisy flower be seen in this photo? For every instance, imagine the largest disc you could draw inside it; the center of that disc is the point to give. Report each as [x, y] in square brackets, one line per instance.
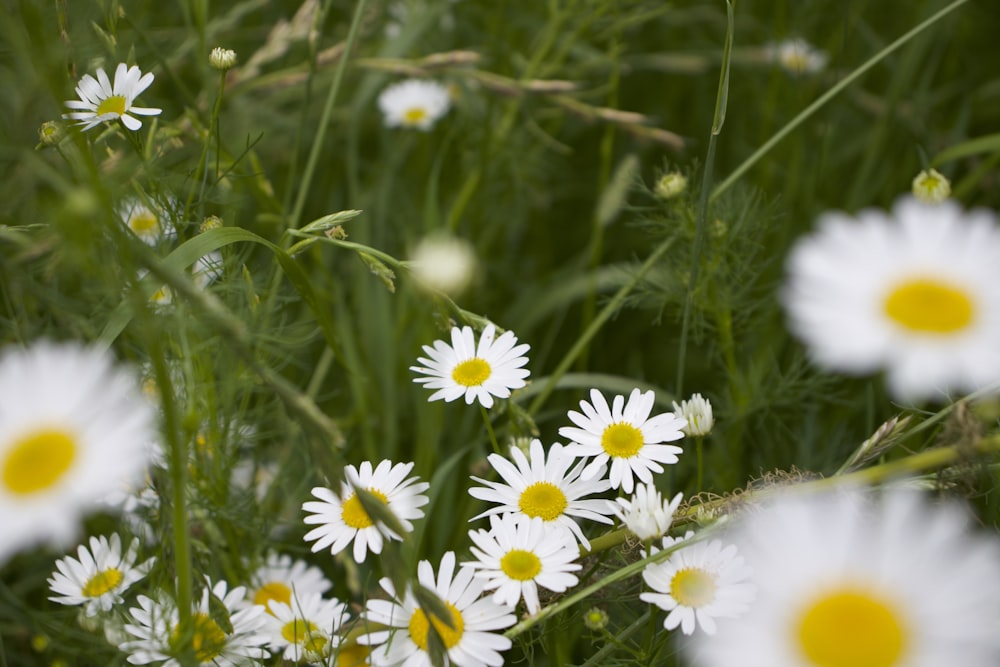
[844, 580]
[797, 56]
[281, 579]
[150, 223]
[547, 489]
[699, 583]
[156, 631]
[444, 263]
[73, 428]
[306, 628]
[463, 369]
[471, 641]
[100, 101]
[697, 412]
[645, 513]
[97, 578]
[915, 291]
[414, 103]
[625, 435]
[342, 518]
[518, 554]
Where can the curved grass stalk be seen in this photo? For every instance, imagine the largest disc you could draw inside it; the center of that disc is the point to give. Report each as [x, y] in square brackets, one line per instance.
[806, 113]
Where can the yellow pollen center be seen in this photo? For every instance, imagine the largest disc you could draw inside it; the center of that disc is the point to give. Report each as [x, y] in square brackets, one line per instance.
[102, 582]
[930, 306]
[208, 639]
[520, 565]
[352, 655]
[472, 372]
[414, 115]
[354, 514]
[38, 461]
[272, 590]
[622, 440]
[543, 499]
[114, 104]
[304, 633]
[449, 636]
[143, 221]
[851, 629]
[692, 587]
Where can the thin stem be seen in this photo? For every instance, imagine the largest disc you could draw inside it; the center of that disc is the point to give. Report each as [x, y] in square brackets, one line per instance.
[489, 429]
[595, 326]
[701, 469]
[719, 118]
[829, 95]
[324, 121]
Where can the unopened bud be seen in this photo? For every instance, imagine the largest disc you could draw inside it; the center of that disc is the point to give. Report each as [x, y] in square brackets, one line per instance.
[670, 185]
[222, 59]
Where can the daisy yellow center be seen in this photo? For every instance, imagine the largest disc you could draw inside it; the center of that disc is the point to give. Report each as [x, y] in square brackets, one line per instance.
[272, 590]
[304, 633]
[208, 639]
[930, 306]
[851, 629]
[353, 655]
[543, 499]
[622, 440]
[472, 372]
[114, 104]
[520, 565]
[449, 636]
[102, 582]
[796, 61]
[38, 461]
[692, 587]
[354, 514]
[414, 115]
[143, 221]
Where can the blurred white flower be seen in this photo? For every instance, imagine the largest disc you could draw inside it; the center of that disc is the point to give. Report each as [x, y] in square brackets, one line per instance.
[444, 263]
[414, 103]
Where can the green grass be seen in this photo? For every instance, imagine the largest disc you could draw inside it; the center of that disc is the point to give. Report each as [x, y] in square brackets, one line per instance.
[307, 347]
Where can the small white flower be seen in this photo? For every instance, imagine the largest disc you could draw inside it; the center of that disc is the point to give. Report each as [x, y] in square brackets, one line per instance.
[306, 628]
[847, 579]
[414, 103]
[444, 263]
[697, 412]
[471, 641]
[477, 373]
[625, 435]
[547, 489]
[646, 514]
[73, 428]
[97, 578]
[281, 579]
[915, 291]
[699, 583]
[931, 187]
[343, 519]
[156, 630]
[797, 56]
[150, 223]
[100, 101]
[518, 554]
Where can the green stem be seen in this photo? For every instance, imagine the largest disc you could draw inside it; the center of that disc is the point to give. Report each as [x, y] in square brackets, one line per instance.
[698, 448]
[719, 118]
[829, 95]
[489, 429]
[616, 576]
[595, 326]
[324, 121]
